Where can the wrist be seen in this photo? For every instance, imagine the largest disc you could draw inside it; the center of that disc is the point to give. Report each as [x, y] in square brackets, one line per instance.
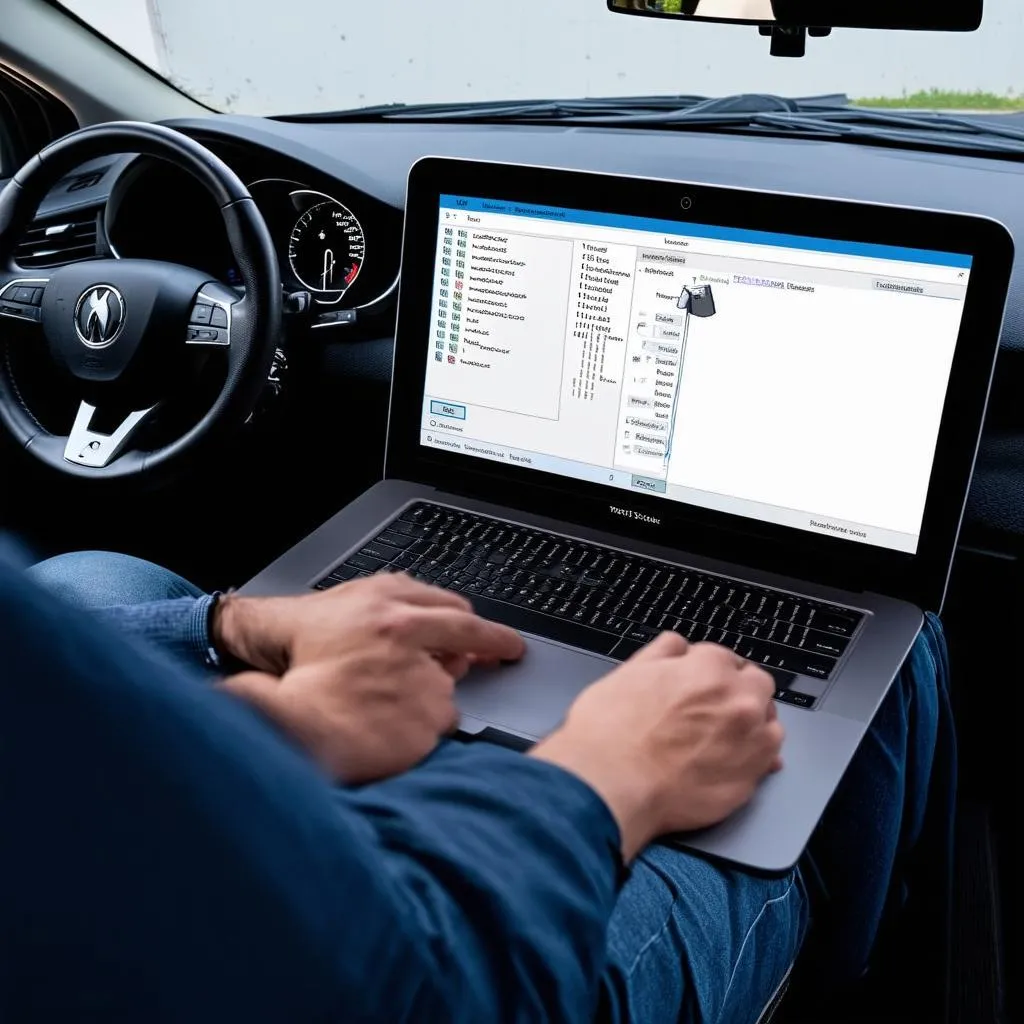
[236, 627]
[220, 629]
[625, 789]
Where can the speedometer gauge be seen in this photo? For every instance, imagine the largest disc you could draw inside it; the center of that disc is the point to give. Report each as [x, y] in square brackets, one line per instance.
[327, 245]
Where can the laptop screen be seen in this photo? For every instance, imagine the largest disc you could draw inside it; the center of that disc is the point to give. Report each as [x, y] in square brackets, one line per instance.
[795, 380]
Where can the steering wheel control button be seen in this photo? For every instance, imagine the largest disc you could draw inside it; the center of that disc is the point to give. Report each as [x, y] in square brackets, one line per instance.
[206, 336]
[18, 311]
[210, 318]
[20, 299]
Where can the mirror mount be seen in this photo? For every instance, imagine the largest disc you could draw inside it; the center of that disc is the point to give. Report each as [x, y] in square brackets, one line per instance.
[791, 40]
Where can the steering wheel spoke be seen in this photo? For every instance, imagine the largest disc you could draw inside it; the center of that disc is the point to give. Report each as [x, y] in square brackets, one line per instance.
[21, 298]
[88, 447]
[211, 317]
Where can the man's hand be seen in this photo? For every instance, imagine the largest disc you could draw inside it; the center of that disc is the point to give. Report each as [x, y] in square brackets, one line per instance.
[674, 739]
[362, 676]
[367, 716]
[274, 634]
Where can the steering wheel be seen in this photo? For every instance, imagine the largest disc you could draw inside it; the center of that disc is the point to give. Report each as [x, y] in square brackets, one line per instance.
[128, 331]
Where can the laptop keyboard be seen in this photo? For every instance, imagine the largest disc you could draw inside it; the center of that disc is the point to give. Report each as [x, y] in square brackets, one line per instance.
[602, 599]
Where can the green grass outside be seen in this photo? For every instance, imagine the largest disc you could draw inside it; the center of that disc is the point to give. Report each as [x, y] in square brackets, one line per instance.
[944, 99]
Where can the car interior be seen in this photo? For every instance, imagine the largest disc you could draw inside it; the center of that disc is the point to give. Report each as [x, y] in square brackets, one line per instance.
[221, 443]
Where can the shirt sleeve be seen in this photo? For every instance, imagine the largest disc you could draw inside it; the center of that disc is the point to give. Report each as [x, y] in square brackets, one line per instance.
[200, 863]
[508, 869]
[180, 627]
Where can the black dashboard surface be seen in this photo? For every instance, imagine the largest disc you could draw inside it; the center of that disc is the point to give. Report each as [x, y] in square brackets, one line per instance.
[374, 159]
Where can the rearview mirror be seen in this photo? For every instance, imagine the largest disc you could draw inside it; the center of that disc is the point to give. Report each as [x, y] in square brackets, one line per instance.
[951, 16]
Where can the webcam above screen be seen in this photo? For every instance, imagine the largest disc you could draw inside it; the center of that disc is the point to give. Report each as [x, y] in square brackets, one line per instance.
[927, 15]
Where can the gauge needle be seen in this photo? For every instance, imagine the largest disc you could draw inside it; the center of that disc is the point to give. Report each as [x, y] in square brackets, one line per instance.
[328, 275]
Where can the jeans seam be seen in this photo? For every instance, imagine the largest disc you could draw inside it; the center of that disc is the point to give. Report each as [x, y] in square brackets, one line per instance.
[932, 662]
[653, 939]
[775, 999]
[753, 925]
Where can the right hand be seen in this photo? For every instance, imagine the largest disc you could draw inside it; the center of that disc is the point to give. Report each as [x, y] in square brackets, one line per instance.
[676, 738]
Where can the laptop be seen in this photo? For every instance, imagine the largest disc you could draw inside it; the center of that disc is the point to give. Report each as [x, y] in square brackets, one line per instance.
[621, 406]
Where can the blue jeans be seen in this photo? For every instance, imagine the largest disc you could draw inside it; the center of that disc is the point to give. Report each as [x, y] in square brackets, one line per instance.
[99, 579]
[693, 941]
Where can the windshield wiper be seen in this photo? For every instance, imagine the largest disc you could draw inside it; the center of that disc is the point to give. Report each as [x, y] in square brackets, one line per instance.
[829, 116]
[922, 128]
[560, 110]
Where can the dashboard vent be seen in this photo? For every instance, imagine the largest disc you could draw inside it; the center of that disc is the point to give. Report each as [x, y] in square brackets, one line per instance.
[56, 242]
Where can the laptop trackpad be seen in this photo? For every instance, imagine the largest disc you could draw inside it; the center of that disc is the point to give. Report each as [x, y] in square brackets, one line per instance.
[531, 696]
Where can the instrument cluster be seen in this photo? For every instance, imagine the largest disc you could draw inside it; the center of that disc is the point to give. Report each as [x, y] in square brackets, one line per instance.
[336, 243]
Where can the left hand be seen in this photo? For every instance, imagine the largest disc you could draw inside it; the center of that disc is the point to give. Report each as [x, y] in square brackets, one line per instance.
[275, 634]
[362, 676]
[371, 714]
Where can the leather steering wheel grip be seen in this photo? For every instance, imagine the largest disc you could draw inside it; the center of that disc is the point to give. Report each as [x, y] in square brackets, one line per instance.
[256, 318]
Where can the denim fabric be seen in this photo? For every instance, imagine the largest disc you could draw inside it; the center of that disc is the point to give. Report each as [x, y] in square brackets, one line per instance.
[138, 598]
[97, 579]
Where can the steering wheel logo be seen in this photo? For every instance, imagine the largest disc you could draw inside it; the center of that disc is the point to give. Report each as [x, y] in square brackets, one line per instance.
[99, 316]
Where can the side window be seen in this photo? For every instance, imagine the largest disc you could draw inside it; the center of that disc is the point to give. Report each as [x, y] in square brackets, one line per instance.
[30, 118]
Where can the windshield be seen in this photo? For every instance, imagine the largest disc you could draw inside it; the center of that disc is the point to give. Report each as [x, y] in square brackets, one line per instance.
[304, 56]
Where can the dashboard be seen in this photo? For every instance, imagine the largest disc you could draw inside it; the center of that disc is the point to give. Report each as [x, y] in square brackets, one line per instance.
[347, 183]
[333, 241]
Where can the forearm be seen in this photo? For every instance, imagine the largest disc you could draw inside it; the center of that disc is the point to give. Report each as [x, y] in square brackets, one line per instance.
[623, 786]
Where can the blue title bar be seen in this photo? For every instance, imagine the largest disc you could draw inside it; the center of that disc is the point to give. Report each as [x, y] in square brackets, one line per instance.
[685, 229]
